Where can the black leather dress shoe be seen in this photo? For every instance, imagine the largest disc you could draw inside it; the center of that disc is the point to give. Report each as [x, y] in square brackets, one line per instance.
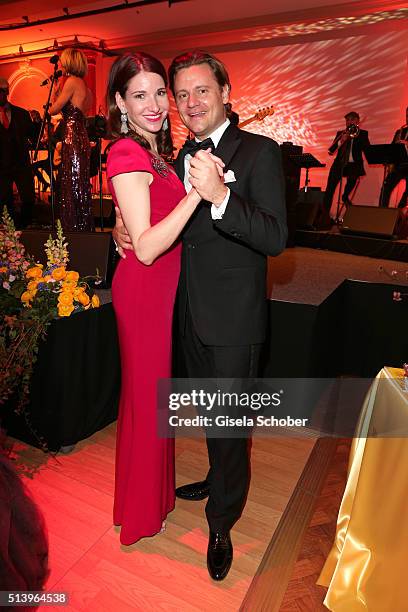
[194, 491]
[219, 555]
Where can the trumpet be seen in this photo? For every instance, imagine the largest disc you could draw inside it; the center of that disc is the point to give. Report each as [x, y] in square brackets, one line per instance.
[353, 130]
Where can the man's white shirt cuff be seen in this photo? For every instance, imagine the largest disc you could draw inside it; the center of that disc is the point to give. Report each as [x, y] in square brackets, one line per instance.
[218, 211]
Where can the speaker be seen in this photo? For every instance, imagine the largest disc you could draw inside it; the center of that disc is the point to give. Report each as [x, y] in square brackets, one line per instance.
[89, 252]
[372, 221]
[308, 208]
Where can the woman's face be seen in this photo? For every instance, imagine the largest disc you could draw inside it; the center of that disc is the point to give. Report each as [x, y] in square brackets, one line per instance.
[146, 102]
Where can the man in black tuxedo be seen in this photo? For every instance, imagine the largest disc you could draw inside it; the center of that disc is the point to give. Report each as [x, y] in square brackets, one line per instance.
[16, 132]
[349, 145]
[399, 172]
[222, 307]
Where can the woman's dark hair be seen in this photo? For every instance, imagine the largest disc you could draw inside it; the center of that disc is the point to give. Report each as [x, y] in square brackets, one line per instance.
[195, 58]
[123, 69]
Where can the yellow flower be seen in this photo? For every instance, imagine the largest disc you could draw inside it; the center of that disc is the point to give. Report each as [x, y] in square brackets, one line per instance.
[32, 292]
[72, 276]
[68, 285]
[32, 285]
[64, 310]
[35, 272]
[26, 297]
[58, 273]
[65, 298]
[78, 291]
[3, 269]
[95, 301]
[83, 298]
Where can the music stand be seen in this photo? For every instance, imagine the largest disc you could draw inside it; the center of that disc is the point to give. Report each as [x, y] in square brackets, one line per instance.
[96, 128]
[384, 155]
[307, 161]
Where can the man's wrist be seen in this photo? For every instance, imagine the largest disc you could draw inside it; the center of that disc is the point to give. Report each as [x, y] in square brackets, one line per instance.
[220, 196]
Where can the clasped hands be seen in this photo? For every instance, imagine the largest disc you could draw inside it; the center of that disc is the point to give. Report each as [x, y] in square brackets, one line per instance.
[206, 176]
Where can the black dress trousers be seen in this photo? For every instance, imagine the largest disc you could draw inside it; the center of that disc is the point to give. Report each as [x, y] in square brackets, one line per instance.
[229, 472]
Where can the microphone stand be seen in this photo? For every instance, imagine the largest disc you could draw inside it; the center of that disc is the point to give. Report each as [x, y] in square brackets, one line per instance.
[47, 119]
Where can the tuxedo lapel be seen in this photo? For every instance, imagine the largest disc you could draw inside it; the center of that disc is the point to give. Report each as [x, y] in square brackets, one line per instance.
[179, 165]
[228, 144]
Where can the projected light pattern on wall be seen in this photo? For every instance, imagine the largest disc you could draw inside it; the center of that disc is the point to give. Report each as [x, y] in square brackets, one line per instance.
[312, 85]
[325, 25]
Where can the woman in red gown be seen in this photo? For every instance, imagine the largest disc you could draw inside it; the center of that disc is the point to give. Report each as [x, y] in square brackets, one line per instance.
[154, 208]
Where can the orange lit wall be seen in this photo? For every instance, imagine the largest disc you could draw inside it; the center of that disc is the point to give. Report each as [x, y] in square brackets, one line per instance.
[311, 85]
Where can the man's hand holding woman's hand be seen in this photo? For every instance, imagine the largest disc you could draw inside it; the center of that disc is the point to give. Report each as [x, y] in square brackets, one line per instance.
[206, 176]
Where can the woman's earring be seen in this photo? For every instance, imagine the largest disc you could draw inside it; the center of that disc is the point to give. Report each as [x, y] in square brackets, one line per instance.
[165, 125]
[124, 126]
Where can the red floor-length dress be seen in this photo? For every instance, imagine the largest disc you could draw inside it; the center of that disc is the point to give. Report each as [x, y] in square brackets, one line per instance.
[143, 299]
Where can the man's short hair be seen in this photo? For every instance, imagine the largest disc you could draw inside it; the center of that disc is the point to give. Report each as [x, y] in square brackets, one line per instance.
[352, 115]
[4, 84]
[195, 58]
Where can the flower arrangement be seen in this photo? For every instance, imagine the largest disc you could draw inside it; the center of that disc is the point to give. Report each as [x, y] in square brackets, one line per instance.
[31, 297]
[56, 290]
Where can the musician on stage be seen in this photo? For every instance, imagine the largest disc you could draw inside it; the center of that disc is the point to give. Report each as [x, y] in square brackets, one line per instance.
[399, 171]
[348, 145]
[17, 131]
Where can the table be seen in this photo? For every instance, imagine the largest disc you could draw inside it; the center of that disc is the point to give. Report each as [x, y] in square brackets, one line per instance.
[75, 386]
[367, 565]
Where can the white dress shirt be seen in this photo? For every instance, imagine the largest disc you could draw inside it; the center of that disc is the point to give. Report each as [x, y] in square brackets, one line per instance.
[216, 211]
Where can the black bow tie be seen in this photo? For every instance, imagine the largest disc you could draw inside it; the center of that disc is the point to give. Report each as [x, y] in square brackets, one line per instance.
[192, 146]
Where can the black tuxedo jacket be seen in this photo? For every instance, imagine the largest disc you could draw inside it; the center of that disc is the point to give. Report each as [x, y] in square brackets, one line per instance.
[15, 141]
[223, 269]
[360, 143]
[401, 134]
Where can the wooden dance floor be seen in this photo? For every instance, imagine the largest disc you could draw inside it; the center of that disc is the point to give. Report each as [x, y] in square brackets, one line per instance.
[167, 572]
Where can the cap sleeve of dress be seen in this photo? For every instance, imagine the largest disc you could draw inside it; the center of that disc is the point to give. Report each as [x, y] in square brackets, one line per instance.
[125, 156]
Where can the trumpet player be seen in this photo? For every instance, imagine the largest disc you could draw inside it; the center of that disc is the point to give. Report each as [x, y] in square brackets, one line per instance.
[348, 146]
[398, 172]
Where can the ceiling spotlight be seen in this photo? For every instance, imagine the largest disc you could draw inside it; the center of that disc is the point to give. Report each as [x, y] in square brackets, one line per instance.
[20, 49]
[102, 44]
[76, 41]
[26, 19]
[55, 45]
[66, 11]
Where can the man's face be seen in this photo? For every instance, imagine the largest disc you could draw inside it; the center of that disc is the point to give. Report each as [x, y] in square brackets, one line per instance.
[200, 100]
[4, 92]
[352, 121]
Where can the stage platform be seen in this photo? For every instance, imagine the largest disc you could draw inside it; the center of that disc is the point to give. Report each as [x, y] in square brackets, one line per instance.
[333, 314]
[366, 246]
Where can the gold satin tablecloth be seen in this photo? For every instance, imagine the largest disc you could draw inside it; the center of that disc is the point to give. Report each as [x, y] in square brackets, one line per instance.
[367, 568]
